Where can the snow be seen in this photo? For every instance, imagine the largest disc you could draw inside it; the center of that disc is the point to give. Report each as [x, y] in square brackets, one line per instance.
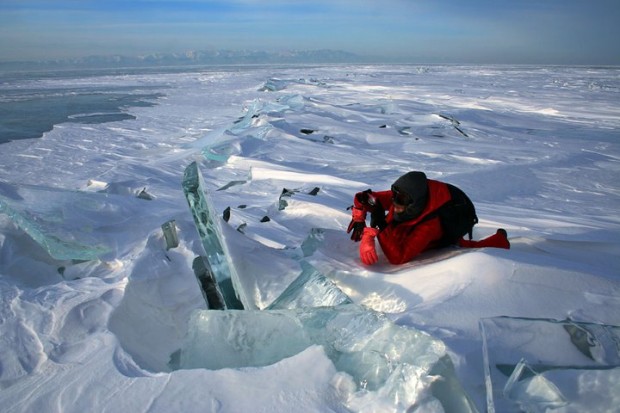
[536, 148]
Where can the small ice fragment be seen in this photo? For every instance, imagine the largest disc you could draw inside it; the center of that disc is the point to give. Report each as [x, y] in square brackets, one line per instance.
[532, 391]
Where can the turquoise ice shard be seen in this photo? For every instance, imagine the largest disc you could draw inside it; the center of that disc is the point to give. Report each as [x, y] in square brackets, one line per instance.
[77, 225]
[207, 222]
[247, 121]
[310, 289]
[392, 366]
[45, 233]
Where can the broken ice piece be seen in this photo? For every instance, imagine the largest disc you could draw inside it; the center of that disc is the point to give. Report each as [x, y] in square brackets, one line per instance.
[145, 195]
[532, 391]
[170, 234]
[230, 184]
[310, 289]
[286, 193]
[394, 367]
[581, 338]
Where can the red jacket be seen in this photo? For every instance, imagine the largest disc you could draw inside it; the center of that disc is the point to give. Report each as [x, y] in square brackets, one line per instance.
[402, 241]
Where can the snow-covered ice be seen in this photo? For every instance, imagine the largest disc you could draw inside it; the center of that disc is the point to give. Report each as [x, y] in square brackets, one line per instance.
[94, 306]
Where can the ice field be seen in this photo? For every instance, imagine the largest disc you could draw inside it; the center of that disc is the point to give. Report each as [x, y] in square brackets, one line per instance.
[98, 314]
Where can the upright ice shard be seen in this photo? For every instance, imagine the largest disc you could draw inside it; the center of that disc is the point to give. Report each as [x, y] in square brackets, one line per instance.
[207, 223]
[393, 366]
[169, 230]
[537, 364]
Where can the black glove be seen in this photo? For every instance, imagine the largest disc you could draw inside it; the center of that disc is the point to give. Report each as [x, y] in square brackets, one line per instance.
[357, 224]
[358, 230]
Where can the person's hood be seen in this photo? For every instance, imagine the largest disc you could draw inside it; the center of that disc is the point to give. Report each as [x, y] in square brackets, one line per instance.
[415, 185]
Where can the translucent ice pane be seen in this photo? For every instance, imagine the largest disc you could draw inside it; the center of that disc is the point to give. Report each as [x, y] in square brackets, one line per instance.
[207, 223]
[220, 146]
[312, 241]
[219, 152]
[253, 112]
[390, 364]
[248, 338]
[76, 225]
[310, 289]
[561, 353]
[292, 102]
[273, 85]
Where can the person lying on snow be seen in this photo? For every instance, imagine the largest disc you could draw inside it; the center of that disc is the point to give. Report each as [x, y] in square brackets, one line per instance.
[422, 214]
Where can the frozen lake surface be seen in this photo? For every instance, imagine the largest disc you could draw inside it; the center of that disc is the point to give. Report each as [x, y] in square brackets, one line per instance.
[93, 305]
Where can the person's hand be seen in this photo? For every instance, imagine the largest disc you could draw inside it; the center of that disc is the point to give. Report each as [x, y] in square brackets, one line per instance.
[377, 216]
[364, 199]
[368, 252]
[368, 202]
[357, 224]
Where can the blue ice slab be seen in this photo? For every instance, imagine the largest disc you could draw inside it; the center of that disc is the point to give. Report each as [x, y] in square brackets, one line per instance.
[208, 224]
[293, 103]
[253, 111]
[220, 144]
[310, 289]
[76, 225]
[537, 364]
[274, 85]
[392, 366]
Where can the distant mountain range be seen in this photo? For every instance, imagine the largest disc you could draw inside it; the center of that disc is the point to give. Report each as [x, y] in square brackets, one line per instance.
[215, 57]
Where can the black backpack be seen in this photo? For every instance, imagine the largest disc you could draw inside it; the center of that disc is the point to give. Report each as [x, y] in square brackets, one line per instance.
[457, 217]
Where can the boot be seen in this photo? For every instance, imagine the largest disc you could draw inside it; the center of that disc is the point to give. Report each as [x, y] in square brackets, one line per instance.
[497, 240]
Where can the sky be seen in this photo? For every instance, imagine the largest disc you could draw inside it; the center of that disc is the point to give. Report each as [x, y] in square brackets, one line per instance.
[418, 31]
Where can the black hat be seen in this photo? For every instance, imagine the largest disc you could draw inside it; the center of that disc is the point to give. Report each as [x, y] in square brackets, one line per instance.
[411, 191]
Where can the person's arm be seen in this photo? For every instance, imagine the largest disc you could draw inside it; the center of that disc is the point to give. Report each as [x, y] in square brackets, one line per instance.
[384, 198]
[367, 201]
[401, 244]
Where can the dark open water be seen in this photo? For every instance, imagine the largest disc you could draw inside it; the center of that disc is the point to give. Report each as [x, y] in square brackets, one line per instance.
[31, 103]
